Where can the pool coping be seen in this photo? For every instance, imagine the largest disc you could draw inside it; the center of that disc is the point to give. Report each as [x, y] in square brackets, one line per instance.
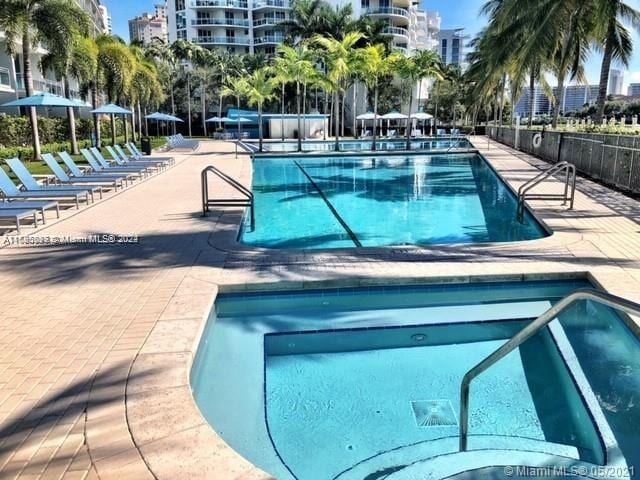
[171, 347]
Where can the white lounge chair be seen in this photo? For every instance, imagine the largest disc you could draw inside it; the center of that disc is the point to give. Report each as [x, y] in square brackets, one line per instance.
[19, 214]
[64, 179]
[123, 159]
[137, 154]
[101, 163]
[77, 172]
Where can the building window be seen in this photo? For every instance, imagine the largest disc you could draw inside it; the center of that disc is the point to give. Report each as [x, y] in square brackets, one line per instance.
[180, 4]
[444, 50]
[455, 51]
[365, 4]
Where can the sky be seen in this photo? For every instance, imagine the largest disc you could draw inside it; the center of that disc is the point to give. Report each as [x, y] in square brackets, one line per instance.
[454, 14]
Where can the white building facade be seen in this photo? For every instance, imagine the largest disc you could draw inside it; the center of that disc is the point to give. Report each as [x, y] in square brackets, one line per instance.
[616, 80]
[633, 90]
[148, 27]
[452, 47]
[107, 24]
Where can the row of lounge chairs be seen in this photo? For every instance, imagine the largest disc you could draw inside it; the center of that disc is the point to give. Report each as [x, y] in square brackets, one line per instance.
[178, 142]
[73, 184]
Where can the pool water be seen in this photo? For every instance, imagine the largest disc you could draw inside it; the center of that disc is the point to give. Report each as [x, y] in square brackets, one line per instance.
[345, 202]
[364, 145]
[318, 384]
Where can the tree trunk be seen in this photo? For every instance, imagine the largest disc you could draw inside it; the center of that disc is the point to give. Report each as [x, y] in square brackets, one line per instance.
[260, 127]
[604, 78]
[188, 104]
[240, 124]
[435, 113]
[299, 118]
[28, 86]
[220, 110]
[304, 111]
[96, 119]
[173, 102]
[126, 129]
[408, 132]
[503, 86]
[342, 115]
[354, 97]
[326, 120]
[336, 113]
[204, 109]
[146, 122]
[532, 95]
[282, 113]
[375, 118]
[71, 117]
[113, 129]
[559, 101]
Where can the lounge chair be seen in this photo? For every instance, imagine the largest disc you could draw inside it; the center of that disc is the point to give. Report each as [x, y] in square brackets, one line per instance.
[19, 214]
[178, 142]
[392, 133]
[40, 205]
[77, 172]
[99, 163]
[65, 179]
[455, 131]
[123, 160]
[35, 190]
[441, 131]
[137, 154]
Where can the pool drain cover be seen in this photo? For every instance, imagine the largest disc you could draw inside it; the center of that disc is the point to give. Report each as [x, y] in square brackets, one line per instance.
[434, 413]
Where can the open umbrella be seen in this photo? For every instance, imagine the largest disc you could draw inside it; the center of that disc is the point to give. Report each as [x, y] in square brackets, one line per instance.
[113, 110]
[40, 100]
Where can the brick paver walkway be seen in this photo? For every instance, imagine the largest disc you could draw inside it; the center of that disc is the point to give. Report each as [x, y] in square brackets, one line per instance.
[74, 317]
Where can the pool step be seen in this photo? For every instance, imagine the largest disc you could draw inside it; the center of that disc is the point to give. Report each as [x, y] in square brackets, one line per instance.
[386, 464]
[505, 465]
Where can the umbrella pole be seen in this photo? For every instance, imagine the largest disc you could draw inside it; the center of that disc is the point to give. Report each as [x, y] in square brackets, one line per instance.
[113, 129]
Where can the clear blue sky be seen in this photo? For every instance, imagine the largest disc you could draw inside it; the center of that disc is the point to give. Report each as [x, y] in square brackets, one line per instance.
[461, 13]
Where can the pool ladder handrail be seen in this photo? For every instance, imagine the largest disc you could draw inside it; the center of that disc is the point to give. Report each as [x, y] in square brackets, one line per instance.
[246, 201]
[569, 187]
[458, 139]
[612, 301]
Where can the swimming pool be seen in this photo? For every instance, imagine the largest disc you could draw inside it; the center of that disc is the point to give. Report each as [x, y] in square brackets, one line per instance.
[364, 383]
[363, 145]
[353, 201]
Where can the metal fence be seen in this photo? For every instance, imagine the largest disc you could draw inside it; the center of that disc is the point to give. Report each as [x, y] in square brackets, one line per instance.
[612, 159]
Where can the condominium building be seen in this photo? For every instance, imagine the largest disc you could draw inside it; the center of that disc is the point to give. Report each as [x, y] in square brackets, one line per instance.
[575, 98]
[452, 46]
[616, 79]
[107, 25]
[148, 27]
[633, 90]
[248, 26]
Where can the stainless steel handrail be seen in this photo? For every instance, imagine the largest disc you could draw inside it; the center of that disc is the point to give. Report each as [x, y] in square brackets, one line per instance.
[207, 202]
[569, 182]
[617, 303]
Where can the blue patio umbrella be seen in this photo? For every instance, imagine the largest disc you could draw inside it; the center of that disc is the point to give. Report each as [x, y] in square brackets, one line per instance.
[172, 118]
[113, 110]
[40, 100]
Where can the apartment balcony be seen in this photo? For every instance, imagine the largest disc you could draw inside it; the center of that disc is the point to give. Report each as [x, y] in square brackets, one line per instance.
[208, 4]
[399, 15]
[268, 40]
[267, 22]
[401, 3]
[272, 5]
[222, 22]
[242, 41]
[400, 34]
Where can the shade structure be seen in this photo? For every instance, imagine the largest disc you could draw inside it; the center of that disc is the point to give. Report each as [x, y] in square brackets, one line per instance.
[112, 109]
[367, 116]
[213, 119]
[171, 118]
[421, 116]
[154, 116]
[394, 116]
[41, 100]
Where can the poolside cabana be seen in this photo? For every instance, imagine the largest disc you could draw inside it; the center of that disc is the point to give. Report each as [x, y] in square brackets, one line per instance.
[369, 116]
[422, 116]
[395, 116]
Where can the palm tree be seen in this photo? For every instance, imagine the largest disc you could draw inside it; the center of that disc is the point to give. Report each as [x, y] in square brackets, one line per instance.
[50, 22]
[77, 59]
[259, 88]
[304, 20]
[205, 60]
[236, 88]
[374, 64]
[227, 66]
[414, 69]
[166, 62]
[341, 58]
[298, 64]
[615, 39]
[186, 52]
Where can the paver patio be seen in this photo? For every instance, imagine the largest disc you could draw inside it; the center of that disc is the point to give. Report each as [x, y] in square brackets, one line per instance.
[96, 340]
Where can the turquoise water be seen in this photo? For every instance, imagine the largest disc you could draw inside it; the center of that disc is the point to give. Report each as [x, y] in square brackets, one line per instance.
[342, 202]
[364, 145]
[307, 384]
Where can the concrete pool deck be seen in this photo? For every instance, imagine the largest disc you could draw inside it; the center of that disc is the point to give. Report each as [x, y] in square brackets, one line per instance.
[97, 340]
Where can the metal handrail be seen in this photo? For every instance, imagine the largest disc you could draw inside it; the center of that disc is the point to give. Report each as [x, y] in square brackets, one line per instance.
[459, 139]
[207, 202]
[569, 186]
[612, 301]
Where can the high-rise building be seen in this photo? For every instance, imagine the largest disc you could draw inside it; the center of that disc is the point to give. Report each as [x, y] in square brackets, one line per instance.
[616, 79]
[633, 90]
[452, 47]
[541, 104]
[148, 27]
[107, 26]
[575, 97]
[248, 26]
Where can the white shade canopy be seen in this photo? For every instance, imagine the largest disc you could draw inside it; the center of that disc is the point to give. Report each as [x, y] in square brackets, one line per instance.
[367, 116]
[421, 116]
[394, 116]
